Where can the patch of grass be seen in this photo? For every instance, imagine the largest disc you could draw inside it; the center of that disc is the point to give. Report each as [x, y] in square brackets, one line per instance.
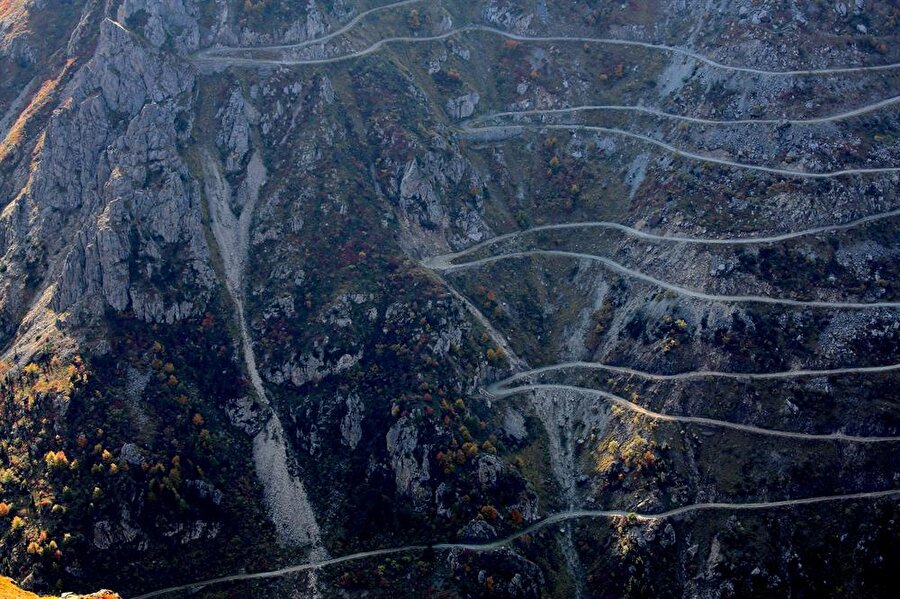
[8, 588]
[41, 99]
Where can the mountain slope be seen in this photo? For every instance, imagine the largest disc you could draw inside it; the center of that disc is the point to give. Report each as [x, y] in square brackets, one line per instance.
[242, 330]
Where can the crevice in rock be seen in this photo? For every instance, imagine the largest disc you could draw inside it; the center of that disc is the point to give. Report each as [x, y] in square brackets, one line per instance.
[285, 495]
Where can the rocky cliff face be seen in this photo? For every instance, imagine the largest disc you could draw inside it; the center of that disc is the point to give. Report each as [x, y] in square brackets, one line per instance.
[236, 335]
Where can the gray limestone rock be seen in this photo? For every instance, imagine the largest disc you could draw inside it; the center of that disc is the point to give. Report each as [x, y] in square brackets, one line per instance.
[409, 461]
[464, 106]
[351, 423]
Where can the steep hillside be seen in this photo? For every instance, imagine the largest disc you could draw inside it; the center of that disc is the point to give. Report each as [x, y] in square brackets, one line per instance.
[499, 298]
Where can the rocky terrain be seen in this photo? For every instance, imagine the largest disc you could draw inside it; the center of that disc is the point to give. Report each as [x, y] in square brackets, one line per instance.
[511, 298]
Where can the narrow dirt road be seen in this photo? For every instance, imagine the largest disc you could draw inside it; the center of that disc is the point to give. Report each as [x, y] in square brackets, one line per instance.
[478, 133]
[218, 51]
[637, 233]
[500, 543]
[437, 263]
[622, 402]
[525, 38]
[656, 112]
[696, 374]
